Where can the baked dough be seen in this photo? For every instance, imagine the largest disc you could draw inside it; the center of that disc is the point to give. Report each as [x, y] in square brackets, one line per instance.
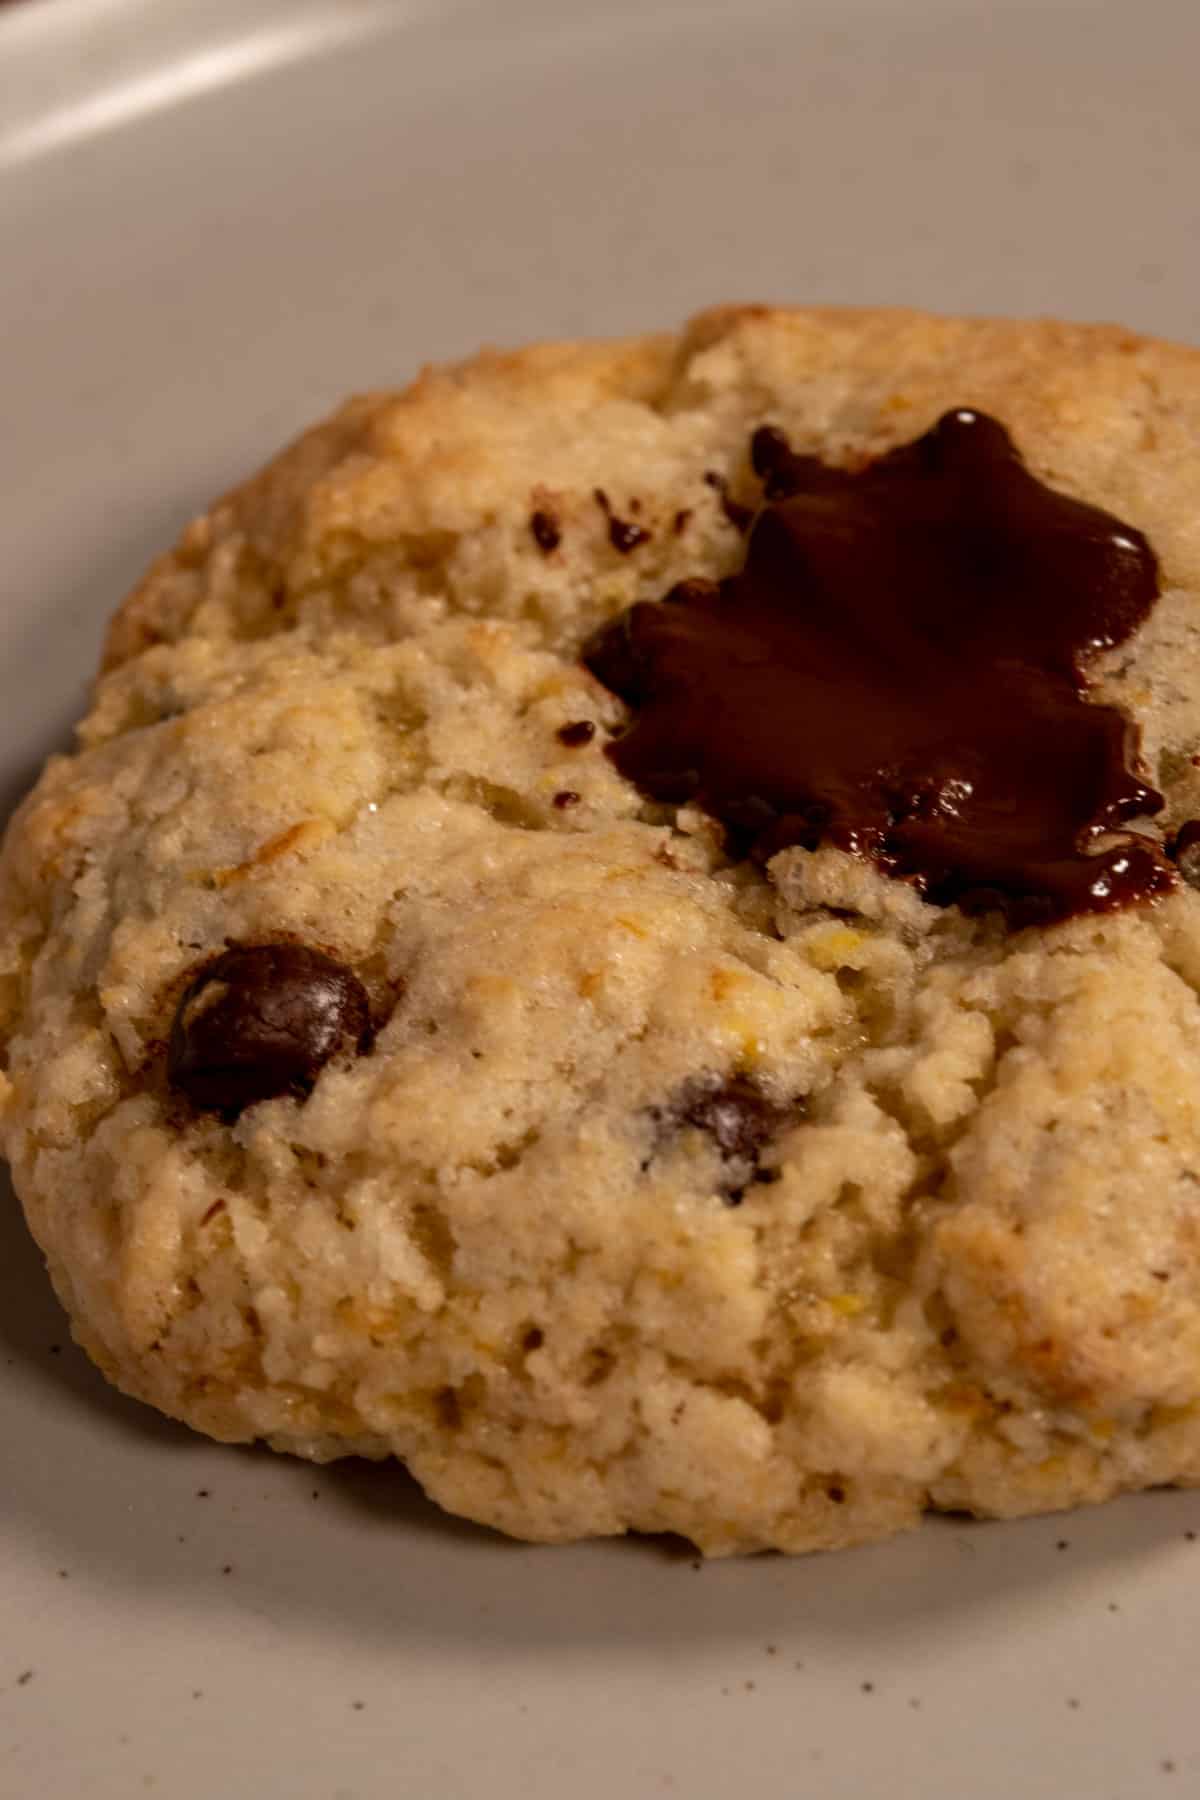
[665, 1192]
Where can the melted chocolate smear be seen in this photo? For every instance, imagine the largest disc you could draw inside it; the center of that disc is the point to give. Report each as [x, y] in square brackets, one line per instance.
[900, 669]
[260, 1021]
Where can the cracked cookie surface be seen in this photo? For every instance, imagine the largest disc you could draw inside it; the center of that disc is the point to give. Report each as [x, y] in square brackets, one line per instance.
[632, 1186]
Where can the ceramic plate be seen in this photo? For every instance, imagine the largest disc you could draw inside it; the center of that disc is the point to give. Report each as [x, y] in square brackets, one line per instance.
[216, 218]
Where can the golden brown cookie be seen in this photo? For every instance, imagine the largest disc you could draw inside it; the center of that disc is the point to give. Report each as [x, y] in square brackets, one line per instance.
[387, 1074]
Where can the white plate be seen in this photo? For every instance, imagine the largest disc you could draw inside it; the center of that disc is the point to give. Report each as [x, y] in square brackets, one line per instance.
[215, 218]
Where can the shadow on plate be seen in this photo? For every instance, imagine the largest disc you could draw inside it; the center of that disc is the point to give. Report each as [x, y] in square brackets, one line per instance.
[161, 1509]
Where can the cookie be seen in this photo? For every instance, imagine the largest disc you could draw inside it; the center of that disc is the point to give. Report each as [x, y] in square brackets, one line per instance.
[621, 929]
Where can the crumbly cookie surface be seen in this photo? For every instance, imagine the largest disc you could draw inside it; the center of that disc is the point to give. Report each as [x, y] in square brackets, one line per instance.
[962, 1269]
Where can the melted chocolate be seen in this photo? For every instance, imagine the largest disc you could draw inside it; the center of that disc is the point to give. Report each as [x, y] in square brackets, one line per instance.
[263, 1020]
[739, 516]
[900, 669]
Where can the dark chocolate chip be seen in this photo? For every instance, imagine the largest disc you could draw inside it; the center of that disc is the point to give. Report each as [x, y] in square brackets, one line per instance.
[575, 735]
[623, 534]
[738, 1117]
[545, 528]
[566, 797]
[260, 1021]
[735, 1114]
[1184, 851]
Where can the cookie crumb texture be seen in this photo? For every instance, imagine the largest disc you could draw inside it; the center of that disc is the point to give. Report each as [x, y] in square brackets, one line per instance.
[770, 1206]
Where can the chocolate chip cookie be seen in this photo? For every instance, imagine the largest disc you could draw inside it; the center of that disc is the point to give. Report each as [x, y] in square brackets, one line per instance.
[623, 928]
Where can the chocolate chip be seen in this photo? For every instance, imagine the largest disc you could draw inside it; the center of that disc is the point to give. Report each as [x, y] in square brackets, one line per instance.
[681, 520]
[575, 735]
[623, 534]
[738, 1117]
[1184, 851]
[626, 536]
[566, 797]
[545, 528]
[260, 1021]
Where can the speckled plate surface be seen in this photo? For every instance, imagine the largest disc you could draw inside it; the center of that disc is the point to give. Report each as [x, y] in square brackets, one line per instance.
[215, 218]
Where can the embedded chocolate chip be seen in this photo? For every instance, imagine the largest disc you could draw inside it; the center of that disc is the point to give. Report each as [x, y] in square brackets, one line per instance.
[739, 1118]
[576, 734]
[566, 798]
[626, 536]
[260, 1021]
[1184, 851]
[623, 534]
[736, 1115]
[545, 528]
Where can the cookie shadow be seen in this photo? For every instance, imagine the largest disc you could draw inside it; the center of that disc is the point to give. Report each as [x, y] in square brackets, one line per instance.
[35, 1340]
[936, 1582]
[355, 1548]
